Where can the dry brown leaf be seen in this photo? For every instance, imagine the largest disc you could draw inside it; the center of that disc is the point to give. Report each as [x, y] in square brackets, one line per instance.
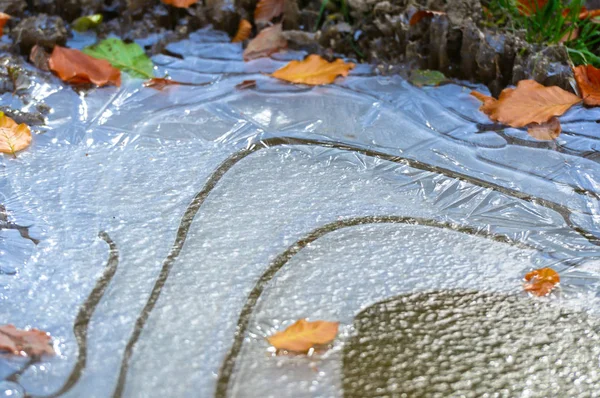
[541, 281]
[529, 103]
[243, 32]
[572, 35]
[32, 342]
[588, 80]
[266, 10]
[313, 70]
[39, 57]
[419, 15]
[545, 131]
[75, 67]
[488, 102]
[268, 41]
[180, 3]
[246, 84]
[159, 83]
[13, 137]
[304, 335]
[3, 20]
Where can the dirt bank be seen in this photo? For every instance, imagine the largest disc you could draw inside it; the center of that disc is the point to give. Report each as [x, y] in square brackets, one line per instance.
[458, 43]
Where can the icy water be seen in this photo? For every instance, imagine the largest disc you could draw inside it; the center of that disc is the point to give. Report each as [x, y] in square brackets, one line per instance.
[170, 231]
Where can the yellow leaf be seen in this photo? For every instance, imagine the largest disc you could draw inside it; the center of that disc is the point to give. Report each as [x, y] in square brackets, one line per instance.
[529, 103]
[314, 70]
[243, 32]
[13, 137]
[304, 335]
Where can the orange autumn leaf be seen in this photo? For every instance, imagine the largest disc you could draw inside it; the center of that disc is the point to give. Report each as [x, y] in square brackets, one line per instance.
[243, 32]
[32, 342]
[529, 7]
[13, 137]
[75, 67]
[545, 131]
[541, 281]
[3, 20]
[419, 15]
[313, 70]
[588, 81]
[180, 3]
[529, 102]
[585, 13]
[488, 102]
[304, 335]
[269, 41]
[266, 10]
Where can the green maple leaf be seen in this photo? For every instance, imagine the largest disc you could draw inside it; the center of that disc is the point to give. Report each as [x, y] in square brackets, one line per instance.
[426, 77]
[130, 58]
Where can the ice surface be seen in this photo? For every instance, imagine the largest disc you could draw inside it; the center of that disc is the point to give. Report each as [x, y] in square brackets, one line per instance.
[317, 202]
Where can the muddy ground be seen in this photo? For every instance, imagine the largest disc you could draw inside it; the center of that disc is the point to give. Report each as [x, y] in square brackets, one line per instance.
[375, 31]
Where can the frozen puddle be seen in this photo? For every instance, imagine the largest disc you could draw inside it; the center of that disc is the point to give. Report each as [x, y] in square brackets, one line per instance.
[179, 228]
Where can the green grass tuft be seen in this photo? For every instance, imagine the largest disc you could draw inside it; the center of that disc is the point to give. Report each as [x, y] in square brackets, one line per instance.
[555, 22]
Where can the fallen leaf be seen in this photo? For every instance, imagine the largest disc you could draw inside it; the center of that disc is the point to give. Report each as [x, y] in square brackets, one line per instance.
[488, 102]
[13, 137]
[39, 57]
[268, 41]
[545, 131]
[32, 342]
[243, 32]
[266, 10]
[246, 84]
[487, 13]
[19, 79]
[572, 35]
[159, 83]
[529, 103]
[87, 22]
[588, 80]
[304, 335]
[130, 58]
[180, 3]
[419, 15]
[529, 7]
[541, 281]
[3, 20]
[585, 13]
[313, 70]
[73, 66]
[422, 78]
